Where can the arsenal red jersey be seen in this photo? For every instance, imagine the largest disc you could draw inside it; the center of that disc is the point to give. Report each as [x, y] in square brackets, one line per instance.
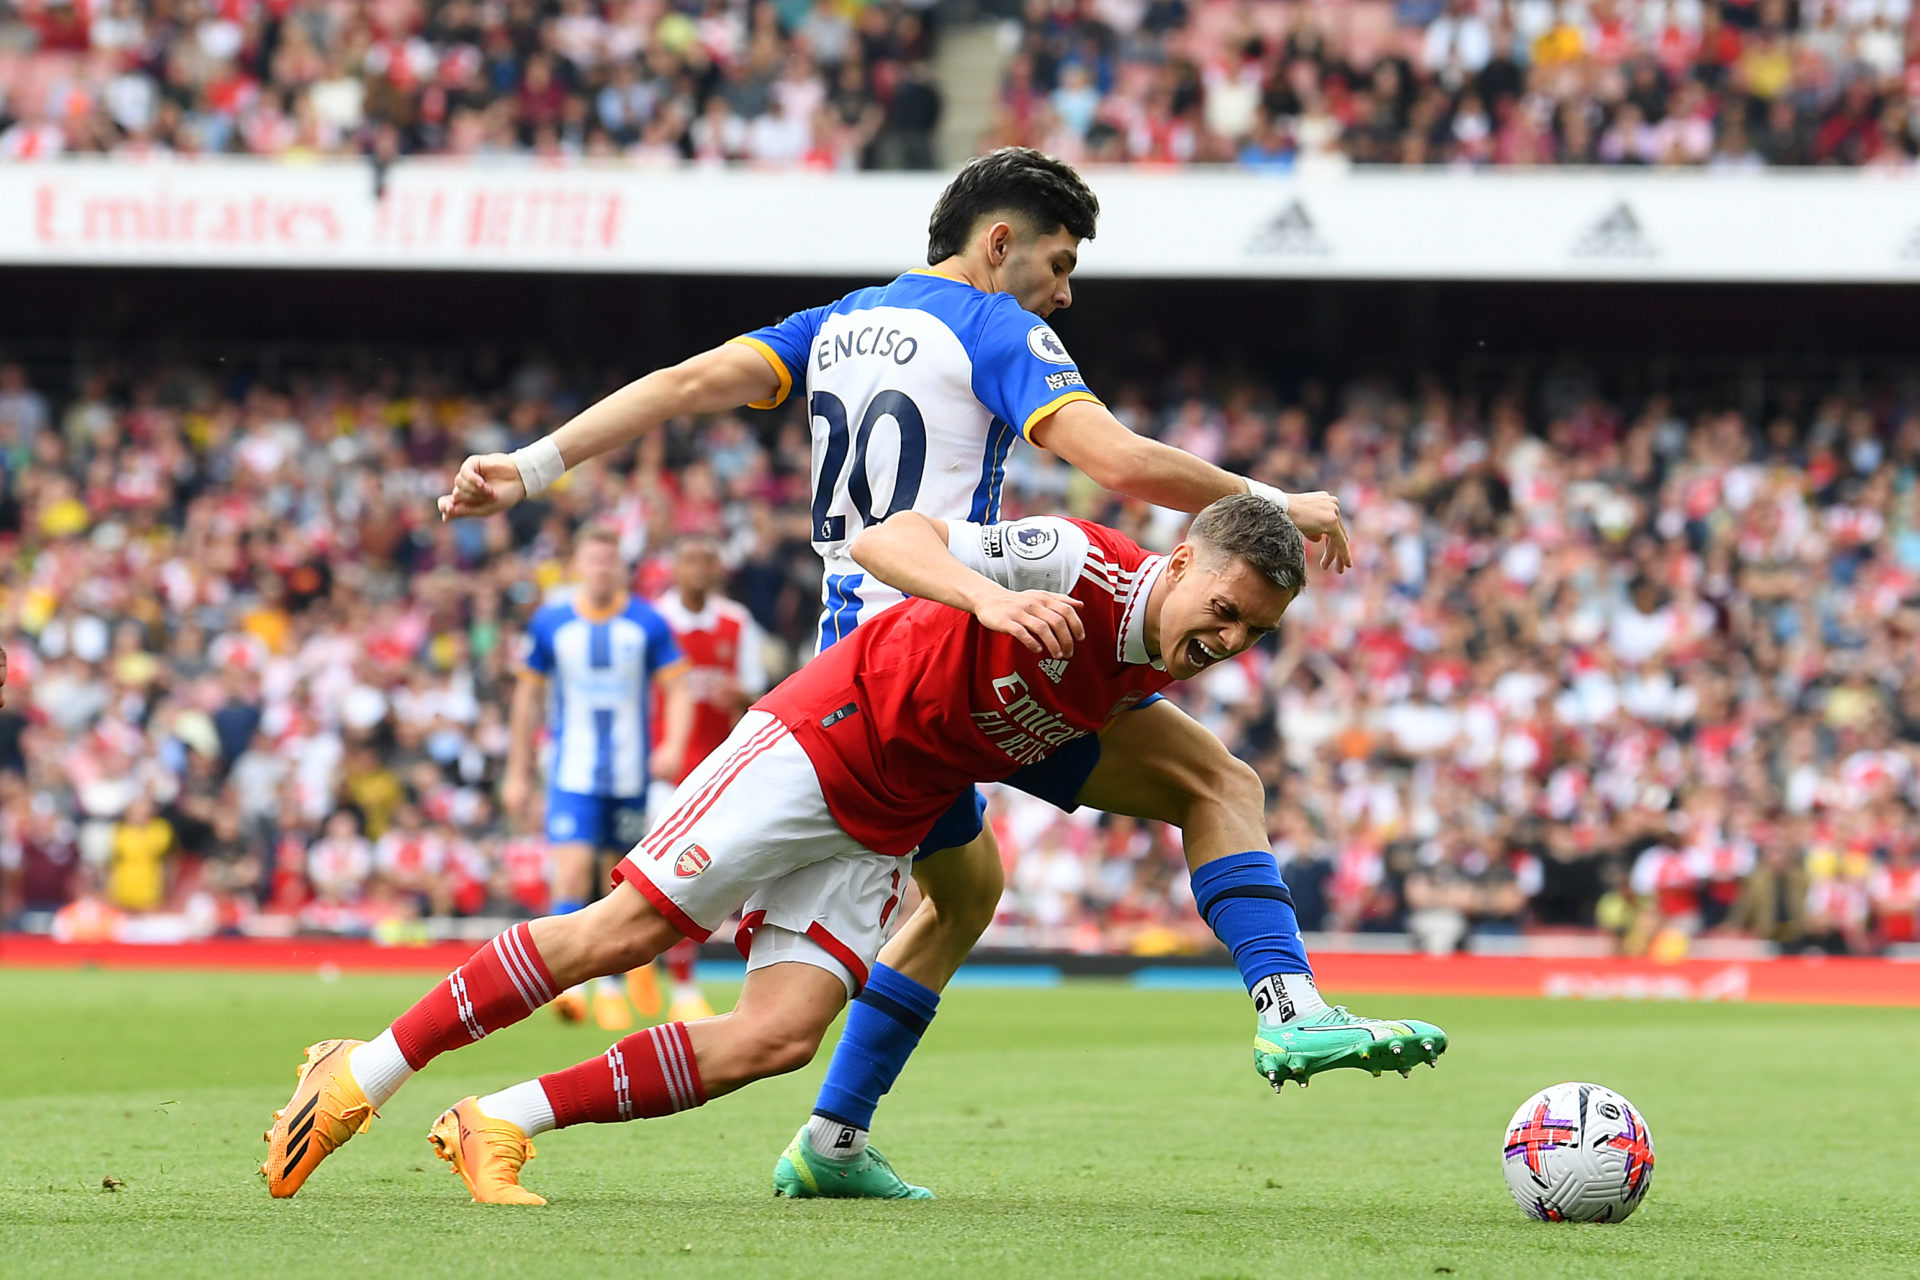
[721, 645]
[920, 702]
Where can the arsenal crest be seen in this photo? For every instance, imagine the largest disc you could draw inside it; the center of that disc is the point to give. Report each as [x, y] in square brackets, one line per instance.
[692, 861]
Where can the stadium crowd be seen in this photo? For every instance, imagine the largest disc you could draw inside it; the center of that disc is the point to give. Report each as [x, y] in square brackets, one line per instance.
[829, 84]
[1729, 84]
[1640, 667]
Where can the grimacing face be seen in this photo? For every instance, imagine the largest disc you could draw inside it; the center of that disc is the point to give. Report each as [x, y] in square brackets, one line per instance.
[1216, 606]
[597, 567]
[1036, 267]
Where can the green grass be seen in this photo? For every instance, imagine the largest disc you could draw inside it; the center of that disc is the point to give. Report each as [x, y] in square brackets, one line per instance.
[1088, 1131]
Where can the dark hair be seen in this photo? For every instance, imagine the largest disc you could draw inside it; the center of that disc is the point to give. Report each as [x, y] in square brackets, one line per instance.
[1044, 191]
[1253, 529]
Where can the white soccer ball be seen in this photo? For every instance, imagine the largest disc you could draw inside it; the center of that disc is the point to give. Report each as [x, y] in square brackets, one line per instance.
[1578, 1153]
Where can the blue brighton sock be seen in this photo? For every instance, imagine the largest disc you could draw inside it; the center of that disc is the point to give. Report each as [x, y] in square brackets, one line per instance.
[567, 906]
[1245, 903]
[883, 1028]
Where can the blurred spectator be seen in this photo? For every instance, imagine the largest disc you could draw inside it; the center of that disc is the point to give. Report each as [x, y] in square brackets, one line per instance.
[1671, 83]
[340, 862]
[412, 861]
[724, 80]
[39, 860]
[142, 839]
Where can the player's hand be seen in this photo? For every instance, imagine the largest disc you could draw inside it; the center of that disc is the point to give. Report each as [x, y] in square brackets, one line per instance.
[486, 483]
[1318, 515]
[1044, 621]
[666, 761]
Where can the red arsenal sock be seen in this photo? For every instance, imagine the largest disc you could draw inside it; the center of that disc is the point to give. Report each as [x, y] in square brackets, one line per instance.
[502, 983]
[680, 958]
[650, 1073]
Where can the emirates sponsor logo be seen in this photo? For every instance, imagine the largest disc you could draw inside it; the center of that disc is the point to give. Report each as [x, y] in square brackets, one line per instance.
[1022, 727]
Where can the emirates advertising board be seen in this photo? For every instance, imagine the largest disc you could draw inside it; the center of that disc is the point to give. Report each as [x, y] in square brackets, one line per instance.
[1841, 227]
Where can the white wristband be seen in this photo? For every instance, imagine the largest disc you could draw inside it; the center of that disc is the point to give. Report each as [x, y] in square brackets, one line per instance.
[1276, 496]
[540, 464]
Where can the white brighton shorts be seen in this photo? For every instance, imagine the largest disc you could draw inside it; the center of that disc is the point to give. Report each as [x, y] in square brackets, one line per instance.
[749, 831]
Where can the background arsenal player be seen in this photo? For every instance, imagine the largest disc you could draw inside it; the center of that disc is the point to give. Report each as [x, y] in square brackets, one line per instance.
[1025, 636]
[721, 646]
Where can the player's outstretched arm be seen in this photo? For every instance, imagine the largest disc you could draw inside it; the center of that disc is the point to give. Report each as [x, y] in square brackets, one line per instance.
[909, 552]
[727, 377]
[1087, 435]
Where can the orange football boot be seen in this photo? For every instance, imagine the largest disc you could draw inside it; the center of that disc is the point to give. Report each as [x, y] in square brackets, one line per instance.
[570, 1006]
[485, 1152]
[689, 1006]
[643, 988]
[610, 1011]
[327, 1107]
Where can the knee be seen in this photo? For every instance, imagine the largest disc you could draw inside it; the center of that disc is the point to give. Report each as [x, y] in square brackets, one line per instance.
[969, 902]
[1210, 776]
[591, 951]
[619, 932]
[1237, 784]
[972, 909]
[778, 1049]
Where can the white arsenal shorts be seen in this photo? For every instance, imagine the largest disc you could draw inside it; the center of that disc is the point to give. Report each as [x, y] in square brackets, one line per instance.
[749, 831]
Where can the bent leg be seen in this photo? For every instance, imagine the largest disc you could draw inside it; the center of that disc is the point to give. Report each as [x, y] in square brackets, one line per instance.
[776, 1028]
[783, 1011]
[961, 887]
[503, 982]
[612, 935]
[960, 890]
[510, 978]
[1160, 764]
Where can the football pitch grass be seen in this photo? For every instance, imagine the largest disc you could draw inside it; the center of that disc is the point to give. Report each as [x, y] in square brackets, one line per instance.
[1088, 1130]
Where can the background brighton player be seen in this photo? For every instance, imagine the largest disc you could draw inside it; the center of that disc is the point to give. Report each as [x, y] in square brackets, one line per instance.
[594, 658]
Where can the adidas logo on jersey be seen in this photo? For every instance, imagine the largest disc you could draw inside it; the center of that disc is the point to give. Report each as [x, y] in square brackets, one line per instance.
[1053, 668]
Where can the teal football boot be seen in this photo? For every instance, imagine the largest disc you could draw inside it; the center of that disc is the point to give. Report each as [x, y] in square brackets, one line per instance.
[1303, 1048]
[802, 1173]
